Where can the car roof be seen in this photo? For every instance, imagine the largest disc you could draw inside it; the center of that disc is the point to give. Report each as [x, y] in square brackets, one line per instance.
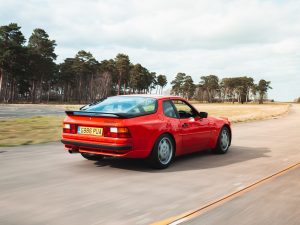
[155, 96]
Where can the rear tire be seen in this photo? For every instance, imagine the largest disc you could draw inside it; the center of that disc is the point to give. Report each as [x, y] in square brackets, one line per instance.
[223, 141]
[162, 153]
[93, 157]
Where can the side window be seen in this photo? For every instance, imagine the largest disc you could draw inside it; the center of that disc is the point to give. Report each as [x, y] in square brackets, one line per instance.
[168, 109]
[184, 110]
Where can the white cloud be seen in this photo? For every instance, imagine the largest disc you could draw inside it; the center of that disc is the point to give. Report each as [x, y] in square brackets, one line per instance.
[255, 38]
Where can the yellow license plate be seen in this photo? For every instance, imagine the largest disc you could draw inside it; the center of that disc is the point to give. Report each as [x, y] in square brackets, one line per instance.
[90, 130]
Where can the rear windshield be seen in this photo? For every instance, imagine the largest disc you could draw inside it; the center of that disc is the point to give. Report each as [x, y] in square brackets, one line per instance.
[128, 105]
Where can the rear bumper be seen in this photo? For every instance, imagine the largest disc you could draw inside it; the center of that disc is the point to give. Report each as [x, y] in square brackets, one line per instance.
[97, 146]
[116, 150]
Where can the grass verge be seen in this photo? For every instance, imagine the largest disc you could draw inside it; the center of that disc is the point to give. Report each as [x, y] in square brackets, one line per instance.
[32, 130]
[41, 129]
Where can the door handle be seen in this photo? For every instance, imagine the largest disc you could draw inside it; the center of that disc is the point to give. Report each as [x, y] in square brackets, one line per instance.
[185, 125]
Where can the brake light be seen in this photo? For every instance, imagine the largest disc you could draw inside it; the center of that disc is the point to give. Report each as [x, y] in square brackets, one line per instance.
[117, 132]
[69, 128]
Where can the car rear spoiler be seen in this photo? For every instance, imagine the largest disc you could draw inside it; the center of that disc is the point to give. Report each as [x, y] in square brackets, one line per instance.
[96, 114]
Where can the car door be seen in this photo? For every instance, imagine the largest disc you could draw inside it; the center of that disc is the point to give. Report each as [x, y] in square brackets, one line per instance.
[195, 131]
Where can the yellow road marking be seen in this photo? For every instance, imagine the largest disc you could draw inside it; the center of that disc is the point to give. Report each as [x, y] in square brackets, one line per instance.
[193, 213]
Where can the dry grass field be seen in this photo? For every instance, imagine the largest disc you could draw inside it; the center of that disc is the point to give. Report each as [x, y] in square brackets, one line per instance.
[41, 129]
[244, 112]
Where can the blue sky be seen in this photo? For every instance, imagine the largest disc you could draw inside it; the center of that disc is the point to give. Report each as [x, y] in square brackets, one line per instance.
[226, 38]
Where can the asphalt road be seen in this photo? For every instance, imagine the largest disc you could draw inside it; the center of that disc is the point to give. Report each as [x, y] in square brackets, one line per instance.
[15, 111]
[275, 202]
[43, 184]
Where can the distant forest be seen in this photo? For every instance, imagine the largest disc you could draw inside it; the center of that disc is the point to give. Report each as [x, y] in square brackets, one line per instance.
[29, 73]
[229, 89]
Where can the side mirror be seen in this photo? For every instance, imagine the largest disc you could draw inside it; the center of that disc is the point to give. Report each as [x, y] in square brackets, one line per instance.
[203, 114]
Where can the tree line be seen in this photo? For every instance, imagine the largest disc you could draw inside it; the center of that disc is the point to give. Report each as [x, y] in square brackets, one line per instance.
[213, 89]
[29, 73]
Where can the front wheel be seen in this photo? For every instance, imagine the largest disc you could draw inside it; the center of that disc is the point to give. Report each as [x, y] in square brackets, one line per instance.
[162, 153]
[93, 157]
[223, 141]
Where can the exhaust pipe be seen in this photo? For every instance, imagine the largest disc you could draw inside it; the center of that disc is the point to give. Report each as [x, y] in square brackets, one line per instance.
[72, 151]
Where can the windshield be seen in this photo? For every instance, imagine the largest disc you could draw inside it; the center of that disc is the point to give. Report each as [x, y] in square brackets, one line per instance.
[130, 105]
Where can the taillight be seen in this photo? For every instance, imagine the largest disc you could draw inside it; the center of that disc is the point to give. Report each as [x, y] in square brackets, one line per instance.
[117, 132]
[69, 128]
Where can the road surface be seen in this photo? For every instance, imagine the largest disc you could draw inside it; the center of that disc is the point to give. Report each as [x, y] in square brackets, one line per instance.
[43, 184]
[26, 110]
[275, 202]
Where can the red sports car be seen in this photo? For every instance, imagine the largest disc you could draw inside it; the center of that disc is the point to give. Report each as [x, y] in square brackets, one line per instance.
[157, 128]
